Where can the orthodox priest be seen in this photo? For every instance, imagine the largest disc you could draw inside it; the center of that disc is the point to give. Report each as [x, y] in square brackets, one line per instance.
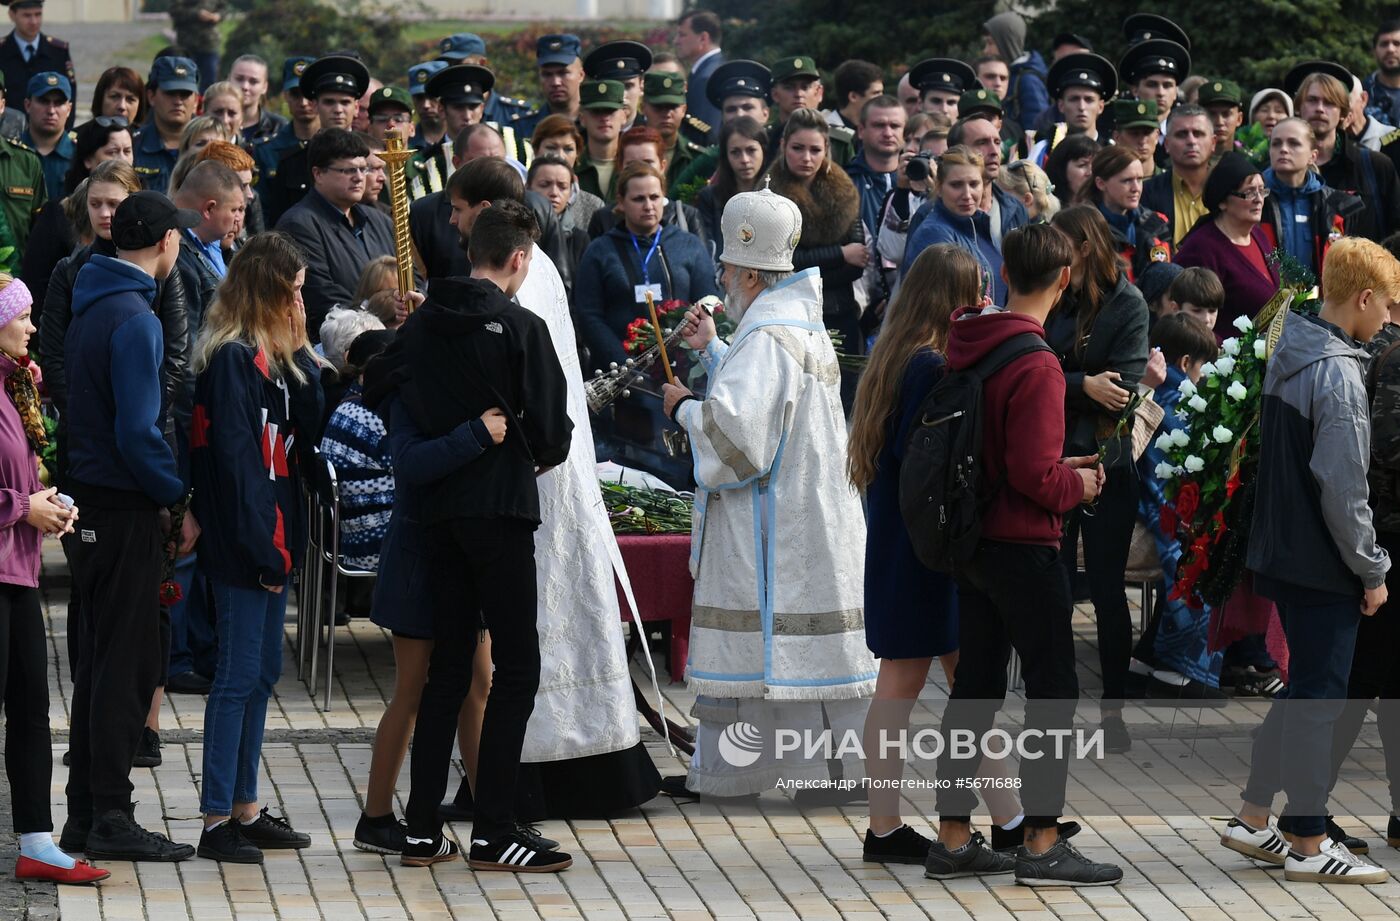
[777, 636]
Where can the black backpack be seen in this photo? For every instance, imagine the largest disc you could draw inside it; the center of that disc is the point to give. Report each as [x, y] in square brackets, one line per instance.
[941, 493]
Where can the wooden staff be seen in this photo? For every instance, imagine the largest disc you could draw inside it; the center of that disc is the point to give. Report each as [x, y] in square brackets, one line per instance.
[660, 339]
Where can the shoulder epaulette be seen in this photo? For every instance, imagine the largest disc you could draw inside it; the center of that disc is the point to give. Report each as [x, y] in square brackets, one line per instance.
[840, 133]
[58, 43]
[147, 170]
[698, 124]
[693, 147]
[20, 144]
[1390, 138]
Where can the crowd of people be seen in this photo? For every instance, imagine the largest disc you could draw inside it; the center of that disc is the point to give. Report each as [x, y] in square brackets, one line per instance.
[215, 289]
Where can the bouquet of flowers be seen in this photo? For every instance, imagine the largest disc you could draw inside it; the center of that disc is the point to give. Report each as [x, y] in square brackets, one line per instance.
[633, 510]
[640, 336]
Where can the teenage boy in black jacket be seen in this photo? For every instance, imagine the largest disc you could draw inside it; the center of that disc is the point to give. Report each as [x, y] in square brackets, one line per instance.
[470, 347]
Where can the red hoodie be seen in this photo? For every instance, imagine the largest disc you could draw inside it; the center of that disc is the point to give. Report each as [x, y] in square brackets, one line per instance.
[1023, 430]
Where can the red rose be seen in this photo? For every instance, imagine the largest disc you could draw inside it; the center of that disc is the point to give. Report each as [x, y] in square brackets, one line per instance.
[1167, 519]
[1188, 500]
[1232, 484]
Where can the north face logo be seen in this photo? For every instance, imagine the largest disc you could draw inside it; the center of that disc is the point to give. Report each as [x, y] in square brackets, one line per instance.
[494, 327]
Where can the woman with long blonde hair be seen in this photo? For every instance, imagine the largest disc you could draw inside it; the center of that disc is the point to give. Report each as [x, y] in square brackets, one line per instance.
[257, 394]
[910, 610]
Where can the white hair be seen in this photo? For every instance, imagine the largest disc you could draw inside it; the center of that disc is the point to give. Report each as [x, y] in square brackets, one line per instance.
[339, 329]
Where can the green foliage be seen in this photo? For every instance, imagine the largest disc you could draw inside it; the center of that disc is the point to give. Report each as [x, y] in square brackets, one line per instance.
[890, 33]
[1253, 43]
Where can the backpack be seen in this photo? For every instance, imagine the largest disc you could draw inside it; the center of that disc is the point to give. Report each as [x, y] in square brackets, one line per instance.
[941, 491]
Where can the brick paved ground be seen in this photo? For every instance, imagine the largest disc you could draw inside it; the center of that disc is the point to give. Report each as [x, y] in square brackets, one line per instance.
[693, 861]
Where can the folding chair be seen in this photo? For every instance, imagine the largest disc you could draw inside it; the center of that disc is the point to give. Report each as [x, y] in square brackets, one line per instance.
[327, 491]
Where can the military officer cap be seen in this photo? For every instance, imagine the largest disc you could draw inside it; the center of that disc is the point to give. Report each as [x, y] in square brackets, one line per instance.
[390, 97]
[800, 65]
[1298, 74]
[1134, 113]
[1155, 56]
[175, 75]
[617, 61]
[738, 78]
[978, 100]
[1221, 92]
[48, 82]
[335, 73]
[292, 69]
[557, 49]
[663, 88]
[420, 74]
[461, 84]
[944, 74]
[1146, 27]
[1070, 38]
[1083, 68]
[602, 94]
[459, 47]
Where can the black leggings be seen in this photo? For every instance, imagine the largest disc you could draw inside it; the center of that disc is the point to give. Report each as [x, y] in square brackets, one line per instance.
[24, 662]
[1108, 532]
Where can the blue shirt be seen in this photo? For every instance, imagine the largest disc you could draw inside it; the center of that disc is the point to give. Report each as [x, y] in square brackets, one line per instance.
[55, 162]
[154, 161]
[213, 251]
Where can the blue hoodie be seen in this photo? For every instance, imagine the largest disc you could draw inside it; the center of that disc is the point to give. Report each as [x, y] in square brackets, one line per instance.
[973, 234]
[1295, 209]
[113, 353]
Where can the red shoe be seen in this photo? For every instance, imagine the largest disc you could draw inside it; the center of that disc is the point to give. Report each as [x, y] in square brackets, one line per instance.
[82, 874]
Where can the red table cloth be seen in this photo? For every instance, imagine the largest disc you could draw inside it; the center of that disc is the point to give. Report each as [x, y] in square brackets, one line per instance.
[659, 567]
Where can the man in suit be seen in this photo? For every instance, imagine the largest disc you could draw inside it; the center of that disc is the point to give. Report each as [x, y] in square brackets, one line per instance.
[697, 43]
[27, 51]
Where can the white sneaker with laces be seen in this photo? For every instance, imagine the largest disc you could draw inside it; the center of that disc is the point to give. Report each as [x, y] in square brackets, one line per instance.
[1332, 864]
[1264, 844]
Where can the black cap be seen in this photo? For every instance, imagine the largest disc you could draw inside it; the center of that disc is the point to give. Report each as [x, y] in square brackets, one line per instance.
[1083, 68]
[1070, 38]
[945, 74]
[1298, 74]
[144, 218]
[617, 61]
[335, 73]
[461, 84]
[1144, 27]
[1155, 56]
[738, 78]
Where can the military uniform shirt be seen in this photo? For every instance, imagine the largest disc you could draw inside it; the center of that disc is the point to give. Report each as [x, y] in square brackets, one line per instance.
[50, 54]
[154, 161]
[55, 162]
[22, 182]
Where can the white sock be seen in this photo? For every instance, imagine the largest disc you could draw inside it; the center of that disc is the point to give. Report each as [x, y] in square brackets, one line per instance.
[251, 821]
[38, 845]
[886, 834]
[214, 825]
[1014, 823]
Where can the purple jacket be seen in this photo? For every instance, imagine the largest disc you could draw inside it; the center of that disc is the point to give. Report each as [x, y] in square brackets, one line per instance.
[19, 479]
[1246, 291]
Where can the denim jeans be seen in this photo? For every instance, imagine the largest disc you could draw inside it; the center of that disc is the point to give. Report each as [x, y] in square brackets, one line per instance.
[250, 623]
[1293, 749]
[192, 641]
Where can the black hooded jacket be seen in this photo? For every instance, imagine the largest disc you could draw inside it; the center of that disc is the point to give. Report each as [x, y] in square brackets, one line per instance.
[467, 349]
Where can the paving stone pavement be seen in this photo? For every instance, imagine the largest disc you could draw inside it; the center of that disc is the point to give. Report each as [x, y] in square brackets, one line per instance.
[693, 861]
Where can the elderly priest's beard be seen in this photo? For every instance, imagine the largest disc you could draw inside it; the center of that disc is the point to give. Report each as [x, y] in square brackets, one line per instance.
[735, 300]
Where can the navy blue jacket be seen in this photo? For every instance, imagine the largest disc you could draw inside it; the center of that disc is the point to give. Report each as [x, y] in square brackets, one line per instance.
[116, 414]
[605, 299]
[1026, 95]
[973, 234]
[873, 187]
[246, 470]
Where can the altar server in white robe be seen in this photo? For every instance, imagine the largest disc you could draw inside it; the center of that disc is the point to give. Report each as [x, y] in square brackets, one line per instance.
[777, 638]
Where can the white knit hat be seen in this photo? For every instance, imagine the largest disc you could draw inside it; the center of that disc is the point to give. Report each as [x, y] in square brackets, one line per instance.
[1270, 93]
[761, 229]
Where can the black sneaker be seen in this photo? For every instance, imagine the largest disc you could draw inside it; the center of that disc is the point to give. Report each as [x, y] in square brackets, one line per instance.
[424, 852]
[188, 683]
[1115, 735]
[272, 833]
[226, 844]
[148, 752]
[903, 845]
[537, 840]
[515, 853]
[1062, 865]
[75, 834]
[462, 808]
[975, 858]
[1006, 842]
[68, 759]
[116, 836]
[382, 835]
[1392, 832]
[1350, 842]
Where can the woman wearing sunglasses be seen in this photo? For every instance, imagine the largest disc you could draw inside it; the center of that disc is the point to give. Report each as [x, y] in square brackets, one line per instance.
[1228, 240]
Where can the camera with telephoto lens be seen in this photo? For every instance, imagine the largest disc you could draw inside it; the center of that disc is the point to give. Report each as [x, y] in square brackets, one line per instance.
[920, 167]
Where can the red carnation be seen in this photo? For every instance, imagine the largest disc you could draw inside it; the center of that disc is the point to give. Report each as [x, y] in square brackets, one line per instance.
[1188, 500]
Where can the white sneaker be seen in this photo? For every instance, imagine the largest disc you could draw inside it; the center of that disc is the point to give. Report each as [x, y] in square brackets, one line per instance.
[1264, 844]
[1332, 864]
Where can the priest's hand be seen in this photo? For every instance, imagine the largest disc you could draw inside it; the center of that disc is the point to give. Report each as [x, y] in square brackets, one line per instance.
[671, 394]
[698, 328]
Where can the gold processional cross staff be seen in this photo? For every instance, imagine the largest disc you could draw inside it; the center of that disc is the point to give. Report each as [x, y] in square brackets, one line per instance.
[396, 156]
